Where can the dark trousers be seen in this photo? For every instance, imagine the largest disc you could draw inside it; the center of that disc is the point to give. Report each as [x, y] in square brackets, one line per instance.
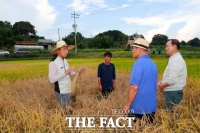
[105, 92]
[173, 98]
[147, 117]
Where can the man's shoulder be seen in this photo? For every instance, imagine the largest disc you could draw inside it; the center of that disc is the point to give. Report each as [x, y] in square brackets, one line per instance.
[139, 61]
[112, 64]
[53, 58]
[101, 64]
[176, 58]
[144, 62]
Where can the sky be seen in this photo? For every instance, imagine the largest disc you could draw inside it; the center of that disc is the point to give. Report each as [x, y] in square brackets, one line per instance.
[178, 19]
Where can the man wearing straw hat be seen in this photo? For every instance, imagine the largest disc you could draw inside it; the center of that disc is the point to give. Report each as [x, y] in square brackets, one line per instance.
[60, 72]
[143, 84]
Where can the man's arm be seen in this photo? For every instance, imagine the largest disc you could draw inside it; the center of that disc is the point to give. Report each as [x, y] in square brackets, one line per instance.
[131, 95]
[114, 84]
[114, 77]
[99, 78]
[52, 73]
[174, 69]
[162, 85]
[72, 73]
[99, 84]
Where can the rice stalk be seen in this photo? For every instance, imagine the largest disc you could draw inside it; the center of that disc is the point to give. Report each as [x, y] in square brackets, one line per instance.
[74, 81]
[73, 84]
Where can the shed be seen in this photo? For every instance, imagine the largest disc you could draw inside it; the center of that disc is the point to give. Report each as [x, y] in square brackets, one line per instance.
[47, 43]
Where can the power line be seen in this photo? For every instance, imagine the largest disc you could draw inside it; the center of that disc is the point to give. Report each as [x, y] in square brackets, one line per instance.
[75, 26]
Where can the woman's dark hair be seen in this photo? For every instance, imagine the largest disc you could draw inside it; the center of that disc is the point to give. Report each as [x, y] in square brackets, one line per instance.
[175, 42]
[108, 54]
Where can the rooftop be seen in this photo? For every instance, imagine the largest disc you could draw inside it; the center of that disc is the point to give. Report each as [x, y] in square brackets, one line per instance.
[46, 41]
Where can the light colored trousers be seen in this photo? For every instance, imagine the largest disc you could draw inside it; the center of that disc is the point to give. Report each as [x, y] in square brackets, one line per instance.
[63, 99]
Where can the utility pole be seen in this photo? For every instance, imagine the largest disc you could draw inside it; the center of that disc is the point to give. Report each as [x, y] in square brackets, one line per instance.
[75, 26]
[58, 35]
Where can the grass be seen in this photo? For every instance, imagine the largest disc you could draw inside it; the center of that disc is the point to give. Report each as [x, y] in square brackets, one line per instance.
[186, 51]
[28, 102]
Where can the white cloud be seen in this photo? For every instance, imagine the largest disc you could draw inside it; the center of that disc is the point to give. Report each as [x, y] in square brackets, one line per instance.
[38, 12]
[152, 21]
[164, 20]
[65, 26]
[116, 8]
[87, 5]
[156, 0]
[159, 22]
[161, 30]
[190, 30]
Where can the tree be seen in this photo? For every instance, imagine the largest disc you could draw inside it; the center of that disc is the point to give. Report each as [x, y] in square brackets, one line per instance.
[111, 33]
[6, 34]
[183, 43]
[70, 38]
[106, 42]
[79, 39]
[159, 39]
[194, 42]
[5, 24]
[23, 28]
[136, 35]
[114, 37]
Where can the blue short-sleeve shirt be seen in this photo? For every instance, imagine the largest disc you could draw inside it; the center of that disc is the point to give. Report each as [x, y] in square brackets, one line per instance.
[144, 75]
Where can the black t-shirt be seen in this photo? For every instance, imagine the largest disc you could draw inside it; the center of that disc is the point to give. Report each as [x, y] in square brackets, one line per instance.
[107, 74]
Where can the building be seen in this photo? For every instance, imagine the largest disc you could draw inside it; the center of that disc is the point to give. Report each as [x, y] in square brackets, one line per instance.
[130, 42]
[47, 43]
[26, 43]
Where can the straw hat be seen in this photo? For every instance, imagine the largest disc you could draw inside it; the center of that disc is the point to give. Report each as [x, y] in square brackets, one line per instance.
[141, 43]
[61, 44]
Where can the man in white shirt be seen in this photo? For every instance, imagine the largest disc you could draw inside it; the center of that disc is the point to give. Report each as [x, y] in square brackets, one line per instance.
[60, 72]
[174, 78]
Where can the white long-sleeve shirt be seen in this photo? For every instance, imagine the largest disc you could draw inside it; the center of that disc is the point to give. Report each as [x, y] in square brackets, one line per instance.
[57, 68]
[175, 73]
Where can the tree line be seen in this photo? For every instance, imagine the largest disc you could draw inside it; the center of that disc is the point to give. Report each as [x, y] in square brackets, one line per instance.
[20, 31]
[25, 31]
[160, 39]
[117, 39]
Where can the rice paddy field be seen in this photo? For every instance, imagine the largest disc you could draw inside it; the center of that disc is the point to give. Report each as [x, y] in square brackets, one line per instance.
[28, 103]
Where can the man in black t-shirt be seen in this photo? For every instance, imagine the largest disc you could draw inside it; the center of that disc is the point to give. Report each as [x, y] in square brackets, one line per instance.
[106, 75]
